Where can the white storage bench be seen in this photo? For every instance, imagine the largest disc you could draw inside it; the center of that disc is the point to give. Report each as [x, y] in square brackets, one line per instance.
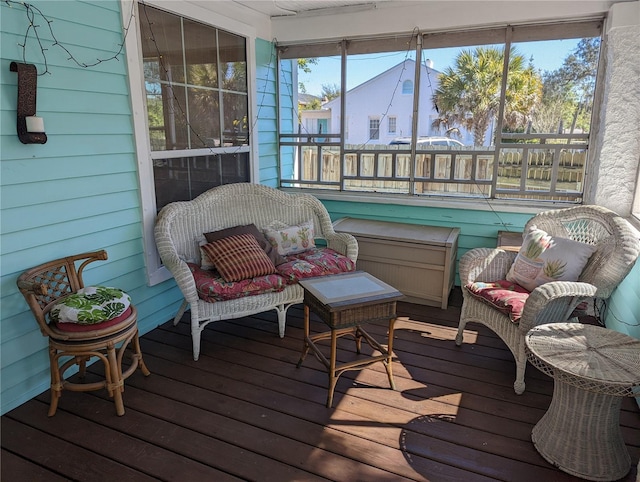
[417, 260]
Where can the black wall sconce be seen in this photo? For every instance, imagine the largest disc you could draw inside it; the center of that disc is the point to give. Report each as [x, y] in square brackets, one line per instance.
[30, 127]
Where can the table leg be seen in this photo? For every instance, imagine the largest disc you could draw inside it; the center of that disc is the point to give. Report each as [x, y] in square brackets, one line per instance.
[580, 434]
[305, 340]
[387, 363]
[333, 379]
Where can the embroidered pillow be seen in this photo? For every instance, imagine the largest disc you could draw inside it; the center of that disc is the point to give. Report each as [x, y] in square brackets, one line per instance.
[543, 258]
[239, 257]
[291, 239]
[248, 229]
[507, 297]
[91, 305]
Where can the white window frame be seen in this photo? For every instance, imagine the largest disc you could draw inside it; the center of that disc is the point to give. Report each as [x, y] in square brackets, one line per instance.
[156, 272]
[370, 120]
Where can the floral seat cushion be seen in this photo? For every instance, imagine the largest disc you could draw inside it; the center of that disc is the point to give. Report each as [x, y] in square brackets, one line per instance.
[314, 262]
[212, 287]
[505, 296]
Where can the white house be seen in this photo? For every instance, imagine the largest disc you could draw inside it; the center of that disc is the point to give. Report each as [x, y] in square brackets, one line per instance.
[381, 109]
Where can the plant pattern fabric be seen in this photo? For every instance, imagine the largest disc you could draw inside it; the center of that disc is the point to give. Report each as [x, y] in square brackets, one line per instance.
[543, 258]
[91, 305]
[291, 239]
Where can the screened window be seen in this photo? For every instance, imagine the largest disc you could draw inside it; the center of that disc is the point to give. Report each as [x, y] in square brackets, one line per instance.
[502, 113]
[195, 79]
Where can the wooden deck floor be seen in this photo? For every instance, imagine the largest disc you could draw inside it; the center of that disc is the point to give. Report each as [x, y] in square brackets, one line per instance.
[245, 412]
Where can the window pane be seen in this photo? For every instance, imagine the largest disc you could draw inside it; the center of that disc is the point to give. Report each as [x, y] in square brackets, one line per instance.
[236, 114]
[166, 111]
[204, 120]
[184, 178]
[162, 41]
[233, 64]
[200, 54]
[466, 93]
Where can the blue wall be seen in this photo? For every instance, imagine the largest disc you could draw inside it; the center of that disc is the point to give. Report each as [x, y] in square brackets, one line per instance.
[79, 191]
[623, 312]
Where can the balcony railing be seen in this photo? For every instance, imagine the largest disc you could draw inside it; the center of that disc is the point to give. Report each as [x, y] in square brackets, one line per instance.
[528, 166]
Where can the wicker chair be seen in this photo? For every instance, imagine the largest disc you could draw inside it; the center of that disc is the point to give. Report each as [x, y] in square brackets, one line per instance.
[617, 250]
[43, 286]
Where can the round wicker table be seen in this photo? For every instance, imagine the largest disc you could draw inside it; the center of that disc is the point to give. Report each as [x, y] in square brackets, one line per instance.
[592, 368]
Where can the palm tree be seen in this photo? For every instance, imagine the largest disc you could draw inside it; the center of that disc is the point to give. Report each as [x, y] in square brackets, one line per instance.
[468, 94]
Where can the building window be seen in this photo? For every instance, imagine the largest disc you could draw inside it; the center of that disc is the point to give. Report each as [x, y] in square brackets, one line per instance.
[392, 124]
[527, 142]
[374, 129]
[195, 79]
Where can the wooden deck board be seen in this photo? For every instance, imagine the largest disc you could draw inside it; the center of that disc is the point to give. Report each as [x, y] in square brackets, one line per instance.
[245, 412]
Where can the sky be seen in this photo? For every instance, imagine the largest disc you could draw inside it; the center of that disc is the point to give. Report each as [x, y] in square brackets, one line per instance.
[547, 55]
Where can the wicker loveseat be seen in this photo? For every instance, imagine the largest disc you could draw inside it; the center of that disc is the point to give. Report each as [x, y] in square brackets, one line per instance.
[180, 226]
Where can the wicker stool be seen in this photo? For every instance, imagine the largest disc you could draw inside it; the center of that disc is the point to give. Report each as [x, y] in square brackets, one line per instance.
[69, 345]
[592, 368]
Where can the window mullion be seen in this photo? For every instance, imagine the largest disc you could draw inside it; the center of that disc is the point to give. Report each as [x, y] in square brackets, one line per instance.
[503, 92]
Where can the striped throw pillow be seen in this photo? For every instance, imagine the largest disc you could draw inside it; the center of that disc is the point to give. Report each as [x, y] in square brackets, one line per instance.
[239, 257]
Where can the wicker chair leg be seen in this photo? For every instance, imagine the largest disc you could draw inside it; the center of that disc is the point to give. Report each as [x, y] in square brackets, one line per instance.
[461, 327]
[137, 356]
[195, 340]
[81, 361]
[519, 385]
[178, 317]
[115, 386]
[56, 383]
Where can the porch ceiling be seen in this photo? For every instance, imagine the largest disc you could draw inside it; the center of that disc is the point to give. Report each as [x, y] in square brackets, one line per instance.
[305, 8]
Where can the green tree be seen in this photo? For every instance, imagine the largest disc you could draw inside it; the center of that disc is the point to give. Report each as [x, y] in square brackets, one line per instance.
[568, 91]
[468, 94]
[330, 91]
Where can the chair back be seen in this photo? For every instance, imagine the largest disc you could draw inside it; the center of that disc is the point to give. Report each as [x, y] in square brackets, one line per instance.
[42, 286]
[617, 243]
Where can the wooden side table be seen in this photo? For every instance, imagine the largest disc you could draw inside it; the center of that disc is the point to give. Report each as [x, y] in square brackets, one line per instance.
[592, 368]
[344, 302]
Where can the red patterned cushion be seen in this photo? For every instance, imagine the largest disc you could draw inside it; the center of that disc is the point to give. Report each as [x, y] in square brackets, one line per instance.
[505, 296]
[75, 327]
[212, 287]
[239, 257]
[315, 262]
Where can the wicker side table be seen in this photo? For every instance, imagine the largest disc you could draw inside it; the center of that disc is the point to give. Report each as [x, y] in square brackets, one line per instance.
[345, 302]
[592, 368]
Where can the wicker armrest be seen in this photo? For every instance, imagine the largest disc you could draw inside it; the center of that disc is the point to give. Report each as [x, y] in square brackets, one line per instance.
[554, 302]
[343, 243]
[485, 264]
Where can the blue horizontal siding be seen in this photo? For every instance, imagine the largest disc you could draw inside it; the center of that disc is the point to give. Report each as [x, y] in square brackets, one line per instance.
[78, 192]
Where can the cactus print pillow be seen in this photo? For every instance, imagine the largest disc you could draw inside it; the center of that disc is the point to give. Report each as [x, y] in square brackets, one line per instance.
[91, 305]
[291, 239]
[543, 258]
